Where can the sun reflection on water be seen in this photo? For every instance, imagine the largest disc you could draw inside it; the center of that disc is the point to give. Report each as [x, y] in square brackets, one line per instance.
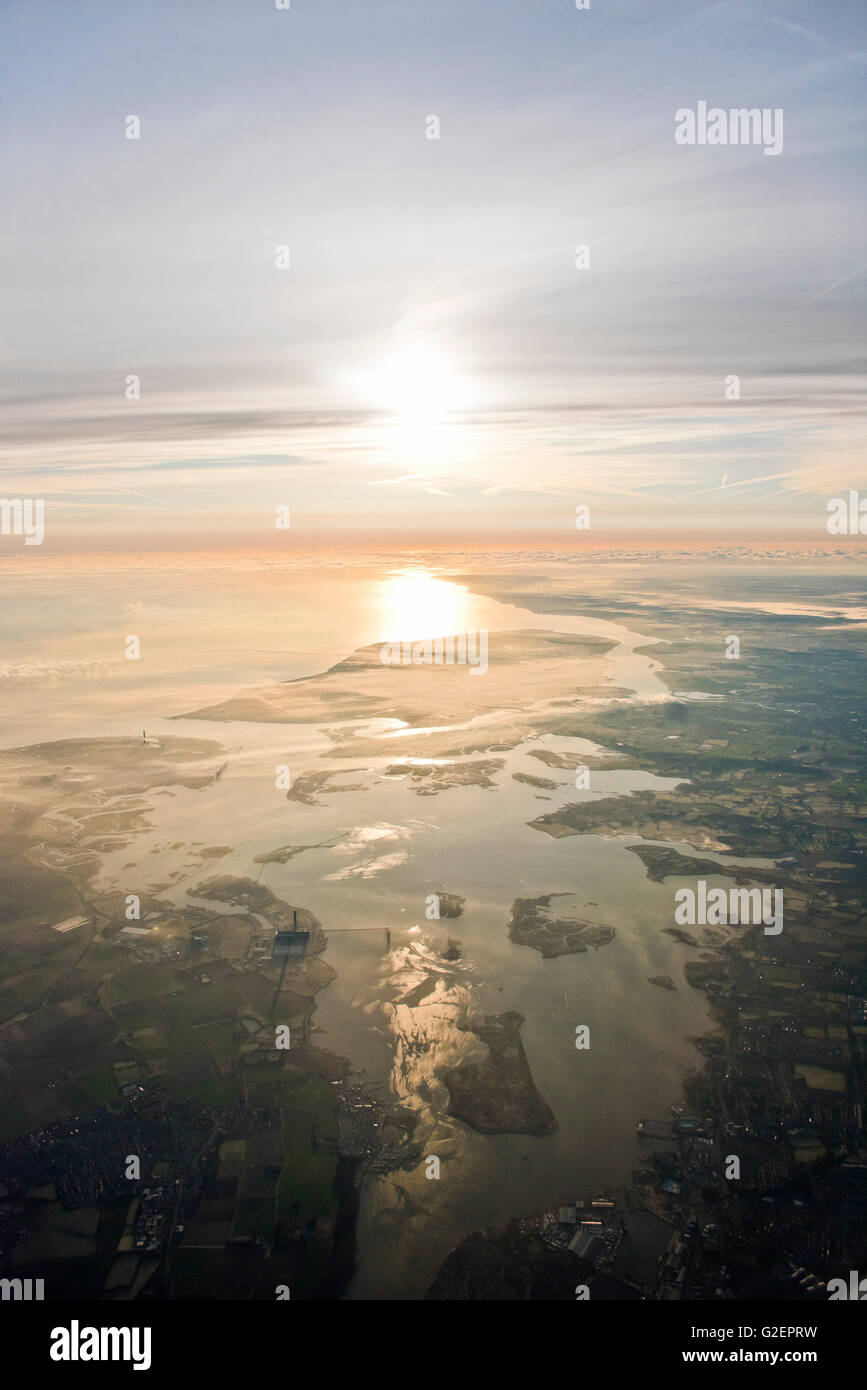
[417, 605]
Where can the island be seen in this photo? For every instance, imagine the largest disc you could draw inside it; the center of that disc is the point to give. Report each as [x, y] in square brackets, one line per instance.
[532, 924]
[498, 1096]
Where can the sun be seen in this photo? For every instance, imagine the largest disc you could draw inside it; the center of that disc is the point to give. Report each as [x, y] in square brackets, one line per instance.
[419, 385]
[420, 394]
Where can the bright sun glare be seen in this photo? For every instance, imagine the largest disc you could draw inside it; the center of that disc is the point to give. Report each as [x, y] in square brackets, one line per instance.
[418, 606]
[419, 385]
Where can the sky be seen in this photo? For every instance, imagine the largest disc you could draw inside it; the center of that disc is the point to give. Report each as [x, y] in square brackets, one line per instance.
[437, 359]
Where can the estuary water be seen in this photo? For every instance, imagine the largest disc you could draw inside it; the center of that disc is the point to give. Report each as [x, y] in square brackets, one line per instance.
[375, 851]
